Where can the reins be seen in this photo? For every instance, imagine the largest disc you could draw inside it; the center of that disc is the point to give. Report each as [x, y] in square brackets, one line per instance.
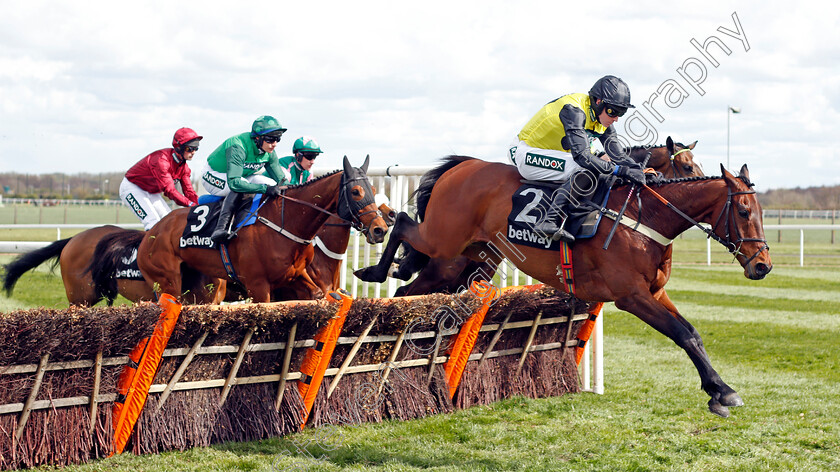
[354, 220]
[734, 248]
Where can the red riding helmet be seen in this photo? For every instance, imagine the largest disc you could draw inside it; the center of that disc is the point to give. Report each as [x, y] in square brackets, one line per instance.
[183, 136]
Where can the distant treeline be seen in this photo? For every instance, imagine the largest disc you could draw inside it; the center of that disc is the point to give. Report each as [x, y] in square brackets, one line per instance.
[61, 186]
[810, 198]
[107, 185]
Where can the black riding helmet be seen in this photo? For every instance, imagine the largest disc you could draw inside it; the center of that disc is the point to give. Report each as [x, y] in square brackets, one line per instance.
[613, 92]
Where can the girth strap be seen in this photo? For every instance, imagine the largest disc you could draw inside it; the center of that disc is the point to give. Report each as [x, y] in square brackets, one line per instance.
[228, 265]
[565, 270]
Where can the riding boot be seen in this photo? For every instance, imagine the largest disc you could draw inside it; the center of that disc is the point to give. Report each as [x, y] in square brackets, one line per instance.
[555, 220]
[223, 233]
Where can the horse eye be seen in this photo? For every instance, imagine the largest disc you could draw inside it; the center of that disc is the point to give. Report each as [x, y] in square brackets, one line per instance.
[743, 213]
[356, 192]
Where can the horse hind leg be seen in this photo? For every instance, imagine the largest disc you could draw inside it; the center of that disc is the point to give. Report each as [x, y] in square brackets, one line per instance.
[403, 228]
[410, 263]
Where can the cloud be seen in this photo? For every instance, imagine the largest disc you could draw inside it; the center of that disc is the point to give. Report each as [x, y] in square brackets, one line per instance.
[97, 85]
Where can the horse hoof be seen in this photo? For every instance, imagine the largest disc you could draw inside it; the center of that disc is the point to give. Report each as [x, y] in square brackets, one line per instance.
[718, 409]
[368, 275]
[731, 399]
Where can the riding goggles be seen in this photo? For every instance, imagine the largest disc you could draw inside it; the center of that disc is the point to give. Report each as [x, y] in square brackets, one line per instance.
[271, 139]
[614, 111]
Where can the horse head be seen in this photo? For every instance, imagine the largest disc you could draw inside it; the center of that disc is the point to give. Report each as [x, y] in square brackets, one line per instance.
[682, 159]
[357, 203]
[740, 225]
[383, 203]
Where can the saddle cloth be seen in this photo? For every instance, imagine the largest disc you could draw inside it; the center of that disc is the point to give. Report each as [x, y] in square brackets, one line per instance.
[127, 267]
[202, 218]
[530, 203]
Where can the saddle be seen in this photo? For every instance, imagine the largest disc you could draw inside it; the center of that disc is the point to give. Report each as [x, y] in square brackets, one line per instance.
[533, 198]
[201, 220]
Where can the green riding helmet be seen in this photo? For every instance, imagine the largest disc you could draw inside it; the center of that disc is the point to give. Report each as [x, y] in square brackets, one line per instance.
[267, 126]
[306, 144]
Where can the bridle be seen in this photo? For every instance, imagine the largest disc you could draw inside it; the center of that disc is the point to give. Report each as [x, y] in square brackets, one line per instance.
[677, 171]
[353, 218]
[734, 247]
[731, 245]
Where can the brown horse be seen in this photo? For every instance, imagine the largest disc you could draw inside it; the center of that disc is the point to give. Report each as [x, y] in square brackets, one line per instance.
[330, 244]
[629, 273]
[672, 160]
[325, 269]
[75, 254]
[273, 252]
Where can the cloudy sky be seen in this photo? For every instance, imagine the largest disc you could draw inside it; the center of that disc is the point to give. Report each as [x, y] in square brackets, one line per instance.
[94, 86]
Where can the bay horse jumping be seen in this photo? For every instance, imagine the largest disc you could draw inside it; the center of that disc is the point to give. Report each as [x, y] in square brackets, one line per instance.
[672, 160]
[75, 254]
[325, 269]
[274, 251]
[465, 206]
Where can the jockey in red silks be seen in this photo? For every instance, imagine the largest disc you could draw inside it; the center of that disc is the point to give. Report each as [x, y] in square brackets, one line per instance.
[155, 175]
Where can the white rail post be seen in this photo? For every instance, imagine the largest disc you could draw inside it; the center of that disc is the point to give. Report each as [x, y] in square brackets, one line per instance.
[708, 251]
[801, 248]
[598, 354]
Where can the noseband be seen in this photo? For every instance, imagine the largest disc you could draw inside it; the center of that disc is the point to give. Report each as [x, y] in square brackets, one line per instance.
[734, 247]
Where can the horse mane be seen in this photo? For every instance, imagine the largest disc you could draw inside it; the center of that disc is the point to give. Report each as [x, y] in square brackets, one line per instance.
[743, 178]
[427, 182]
[644, 147]
[310, 182]
[109, 250]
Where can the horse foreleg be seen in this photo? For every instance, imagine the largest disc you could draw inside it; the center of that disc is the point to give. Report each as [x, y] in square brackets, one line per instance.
[219, 291]
[668, 321]
[259, 291]
[403, 228]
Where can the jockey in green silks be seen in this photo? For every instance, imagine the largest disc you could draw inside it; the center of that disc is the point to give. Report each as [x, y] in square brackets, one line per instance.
[298, 166]
[231, 170]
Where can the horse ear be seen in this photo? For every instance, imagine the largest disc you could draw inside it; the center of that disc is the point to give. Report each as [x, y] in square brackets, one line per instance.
[725, 173]
[744, 172]
[348, 169]
[365, 165]
[691, 146]
[669, 143]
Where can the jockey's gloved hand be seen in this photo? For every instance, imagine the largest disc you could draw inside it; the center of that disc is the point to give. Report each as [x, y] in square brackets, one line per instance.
[631, 175]
[654, 177]
[274, 190]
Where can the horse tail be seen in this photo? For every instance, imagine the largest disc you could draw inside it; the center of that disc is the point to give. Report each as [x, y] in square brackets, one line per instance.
[105, 261]
[429, 179]
[31, 260]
